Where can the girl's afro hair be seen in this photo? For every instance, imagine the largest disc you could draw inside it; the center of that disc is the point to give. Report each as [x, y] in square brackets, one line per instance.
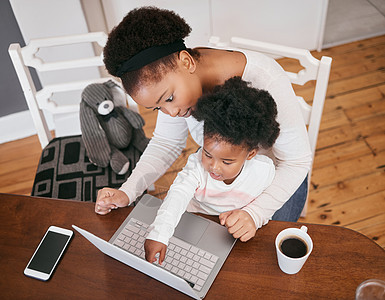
[239, 114]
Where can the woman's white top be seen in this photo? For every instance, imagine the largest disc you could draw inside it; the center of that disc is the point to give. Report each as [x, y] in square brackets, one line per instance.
[291, 152]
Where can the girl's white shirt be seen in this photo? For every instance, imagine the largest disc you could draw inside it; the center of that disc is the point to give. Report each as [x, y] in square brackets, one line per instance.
[195, 190]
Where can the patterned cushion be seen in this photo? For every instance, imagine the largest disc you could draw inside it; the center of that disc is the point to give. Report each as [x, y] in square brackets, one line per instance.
[65, 172]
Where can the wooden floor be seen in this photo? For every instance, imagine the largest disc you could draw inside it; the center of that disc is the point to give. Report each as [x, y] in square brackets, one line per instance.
[348, 181]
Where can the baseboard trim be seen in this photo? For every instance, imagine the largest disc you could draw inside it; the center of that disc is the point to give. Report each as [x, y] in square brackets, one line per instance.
[16, 126]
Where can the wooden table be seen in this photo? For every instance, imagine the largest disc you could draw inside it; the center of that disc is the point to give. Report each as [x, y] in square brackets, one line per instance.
[340, 261]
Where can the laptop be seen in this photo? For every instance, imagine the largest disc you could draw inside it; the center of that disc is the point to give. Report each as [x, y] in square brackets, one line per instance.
[195, 253]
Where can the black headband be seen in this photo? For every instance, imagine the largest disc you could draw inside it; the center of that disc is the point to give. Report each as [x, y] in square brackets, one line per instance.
[149, 55]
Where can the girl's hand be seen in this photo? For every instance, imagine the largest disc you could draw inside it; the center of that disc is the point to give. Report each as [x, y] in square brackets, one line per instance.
[152, 248]
[110, 199]
[239, 223]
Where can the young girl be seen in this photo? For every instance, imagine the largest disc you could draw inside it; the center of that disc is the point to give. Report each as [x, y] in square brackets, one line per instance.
[226, 176]
[147, 52]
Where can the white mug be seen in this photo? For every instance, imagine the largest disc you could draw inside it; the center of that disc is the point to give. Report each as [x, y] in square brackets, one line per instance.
[290, 263]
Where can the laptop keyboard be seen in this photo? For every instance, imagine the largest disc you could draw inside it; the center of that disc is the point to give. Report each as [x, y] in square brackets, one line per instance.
[182, 259]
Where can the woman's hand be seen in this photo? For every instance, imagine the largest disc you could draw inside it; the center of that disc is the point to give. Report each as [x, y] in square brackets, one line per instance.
[152, 248]
[239, 223]
[110, 199]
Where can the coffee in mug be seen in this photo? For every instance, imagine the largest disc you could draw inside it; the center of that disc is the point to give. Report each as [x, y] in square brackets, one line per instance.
[293, 246]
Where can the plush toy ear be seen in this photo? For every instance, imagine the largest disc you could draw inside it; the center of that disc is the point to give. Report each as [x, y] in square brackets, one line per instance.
[94, 137]
[134, 118]
[110, 84]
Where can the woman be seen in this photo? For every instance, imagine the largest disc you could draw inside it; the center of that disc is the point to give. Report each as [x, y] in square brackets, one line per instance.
[147, 52]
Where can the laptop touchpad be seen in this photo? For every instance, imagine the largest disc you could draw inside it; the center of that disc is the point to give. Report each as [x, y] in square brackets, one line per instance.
[191, 228]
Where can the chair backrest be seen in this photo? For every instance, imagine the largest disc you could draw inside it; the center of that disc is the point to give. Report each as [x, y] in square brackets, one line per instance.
[313, 69]
[58, 99]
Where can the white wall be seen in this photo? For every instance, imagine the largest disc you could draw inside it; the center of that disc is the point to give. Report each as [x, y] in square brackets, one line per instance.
[296, 23]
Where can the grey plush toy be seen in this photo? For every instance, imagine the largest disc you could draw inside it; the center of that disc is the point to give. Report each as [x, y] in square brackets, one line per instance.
[112, 134]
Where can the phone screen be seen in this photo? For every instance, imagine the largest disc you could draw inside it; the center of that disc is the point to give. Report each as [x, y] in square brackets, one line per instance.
[48, 253]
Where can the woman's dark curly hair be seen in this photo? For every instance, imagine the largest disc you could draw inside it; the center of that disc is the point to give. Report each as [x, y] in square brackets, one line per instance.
[140, 29]
[239, 114]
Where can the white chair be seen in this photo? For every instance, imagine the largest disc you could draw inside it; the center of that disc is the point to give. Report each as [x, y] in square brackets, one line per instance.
[313, 69]
[68, 66]
[59, 97]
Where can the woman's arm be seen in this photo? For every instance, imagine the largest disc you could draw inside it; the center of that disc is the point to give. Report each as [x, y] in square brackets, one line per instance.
[166, 145]
[291, 151]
